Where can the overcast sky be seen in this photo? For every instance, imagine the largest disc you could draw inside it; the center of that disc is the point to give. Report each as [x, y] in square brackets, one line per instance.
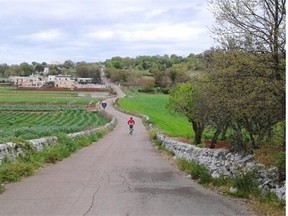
[96, 30]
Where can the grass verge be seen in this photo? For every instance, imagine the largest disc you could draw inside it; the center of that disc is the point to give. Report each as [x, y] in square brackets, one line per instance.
[15, 170]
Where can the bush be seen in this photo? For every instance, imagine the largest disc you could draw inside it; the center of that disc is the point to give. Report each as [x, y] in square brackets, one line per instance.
[245, 184]
[222, 181]
[281, 165]
[197, 171]
[201, 173]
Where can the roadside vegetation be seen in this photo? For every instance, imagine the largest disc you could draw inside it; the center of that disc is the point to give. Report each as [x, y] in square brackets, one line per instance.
[23, 166]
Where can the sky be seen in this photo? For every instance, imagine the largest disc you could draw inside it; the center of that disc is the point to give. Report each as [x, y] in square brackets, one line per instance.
[95, 30]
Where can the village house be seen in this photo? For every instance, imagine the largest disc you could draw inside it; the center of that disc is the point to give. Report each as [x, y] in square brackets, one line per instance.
[64, 81]
[58, 81]
[84, 80]
[31, 81]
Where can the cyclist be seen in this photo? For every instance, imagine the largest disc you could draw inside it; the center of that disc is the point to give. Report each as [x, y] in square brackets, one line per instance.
[131, 123]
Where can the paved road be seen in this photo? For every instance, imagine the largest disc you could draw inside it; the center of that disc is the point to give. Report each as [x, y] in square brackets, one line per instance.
[118, 175]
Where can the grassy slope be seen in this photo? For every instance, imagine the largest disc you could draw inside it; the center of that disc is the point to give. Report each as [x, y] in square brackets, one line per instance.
[154, 105]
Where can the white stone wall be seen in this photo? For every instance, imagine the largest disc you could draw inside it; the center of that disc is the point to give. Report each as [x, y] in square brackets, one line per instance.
[12, 150]
[221, 162]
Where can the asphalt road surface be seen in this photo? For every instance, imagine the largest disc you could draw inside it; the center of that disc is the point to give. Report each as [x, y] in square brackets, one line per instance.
[121, 174]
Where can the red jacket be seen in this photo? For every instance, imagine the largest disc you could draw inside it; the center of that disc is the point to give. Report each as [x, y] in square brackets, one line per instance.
[131, 121]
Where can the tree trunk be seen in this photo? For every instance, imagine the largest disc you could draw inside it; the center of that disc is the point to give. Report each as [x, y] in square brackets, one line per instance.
[198, 129]
[215, 138]
[223, 137]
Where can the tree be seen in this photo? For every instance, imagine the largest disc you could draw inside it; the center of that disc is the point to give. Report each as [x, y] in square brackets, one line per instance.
[69, 64]
[185, 100]
[39, 68]
[251, 25]
[258, 27]
[162, 79]
[3, 69]
[178, 73]
[242, 94]
[14, 70]
[89, 71]
[26, 69]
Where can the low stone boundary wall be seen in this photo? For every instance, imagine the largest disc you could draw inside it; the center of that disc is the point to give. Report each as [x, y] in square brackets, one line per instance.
[221, 162]
[12, 150]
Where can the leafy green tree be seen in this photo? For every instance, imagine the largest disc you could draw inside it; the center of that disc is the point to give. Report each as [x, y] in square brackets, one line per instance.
[256, 27]
[39, 68]
[178, 73]
[240, 86]
[69, 64]
[26, 69]
[185, 100]
[162, 79]
[122, 76]
[89, 71]
[117, 62]
[3, 70]
[14, 70]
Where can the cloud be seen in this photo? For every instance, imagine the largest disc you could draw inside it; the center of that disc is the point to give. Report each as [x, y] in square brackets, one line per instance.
[162, 32]
[101, 34]
[45, 36]
[85, 30]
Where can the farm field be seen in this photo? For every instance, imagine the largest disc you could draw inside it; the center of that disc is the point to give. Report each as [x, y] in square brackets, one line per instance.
[12, 95]
[34, 114]
[154, 105]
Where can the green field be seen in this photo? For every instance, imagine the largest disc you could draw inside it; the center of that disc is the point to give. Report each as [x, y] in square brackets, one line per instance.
[35, 114]
[12, 95]
[154, 105]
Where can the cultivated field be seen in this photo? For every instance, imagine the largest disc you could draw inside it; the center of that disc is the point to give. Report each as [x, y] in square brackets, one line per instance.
[34, 114]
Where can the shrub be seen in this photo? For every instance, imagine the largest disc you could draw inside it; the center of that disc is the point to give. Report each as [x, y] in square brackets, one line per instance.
[281, 165]
[245, 184]
[221, 181]
[201, 173]
[198, 172]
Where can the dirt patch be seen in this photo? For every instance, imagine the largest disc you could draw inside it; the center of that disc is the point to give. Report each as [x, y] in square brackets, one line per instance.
[218, 145]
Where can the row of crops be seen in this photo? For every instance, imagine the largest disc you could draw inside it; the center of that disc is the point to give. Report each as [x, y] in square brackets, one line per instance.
[43, 108]
[34, 121]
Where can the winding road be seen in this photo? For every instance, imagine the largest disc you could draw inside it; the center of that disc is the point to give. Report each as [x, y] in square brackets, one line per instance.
[118, 175]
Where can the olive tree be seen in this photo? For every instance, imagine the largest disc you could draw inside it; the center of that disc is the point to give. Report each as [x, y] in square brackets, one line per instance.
[185, 100]
[258, 27]
[243, 98]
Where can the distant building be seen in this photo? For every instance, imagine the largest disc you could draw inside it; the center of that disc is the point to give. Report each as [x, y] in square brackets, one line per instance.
[64, 81]
[84, 80]
[46, 71]
[51, 78]
[31, 81]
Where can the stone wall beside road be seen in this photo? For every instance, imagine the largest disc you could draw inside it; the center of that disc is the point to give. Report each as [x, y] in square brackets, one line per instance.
[221, 162]
[12, 150]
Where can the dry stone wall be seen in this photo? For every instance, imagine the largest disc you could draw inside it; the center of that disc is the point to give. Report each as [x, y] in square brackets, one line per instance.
[221, 162]
[12, 150]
